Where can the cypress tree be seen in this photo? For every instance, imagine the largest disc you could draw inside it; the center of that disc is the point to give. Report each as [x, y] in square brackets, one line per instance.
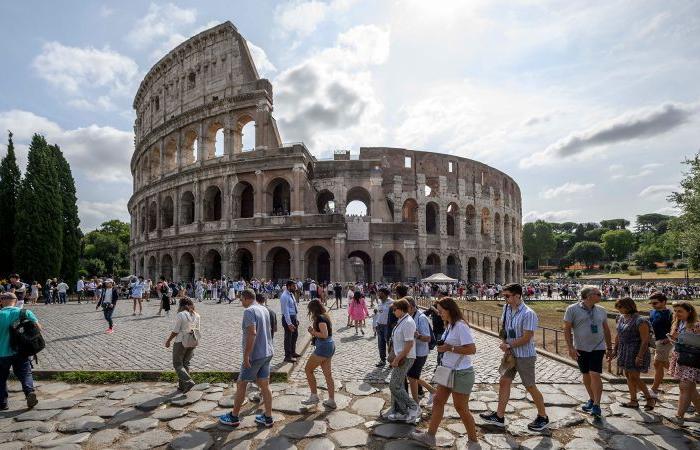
[39, 225]
[10, 178]
[71, 222]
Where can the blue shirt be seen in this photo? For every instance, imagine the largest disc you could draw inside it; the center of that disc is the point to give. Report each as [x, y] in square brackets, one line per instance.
[521, 320]
[423, 329]
[258, 316]
[8, 316]
[288, 304]
[661, 322]
[137, 289]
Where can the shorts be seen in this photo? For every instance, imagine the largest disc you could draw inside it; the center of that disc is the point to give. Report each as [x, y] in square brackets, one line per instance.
[590, 361]
[325, 348]
[417, 367]
[525, 367]
[463, 381]
[663, 352]
[259, 370]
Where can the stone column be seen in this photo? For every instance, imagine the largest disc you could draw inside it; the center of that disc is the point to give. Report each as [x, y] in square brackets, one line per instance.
[258, 262]
[339, 242]
[178, 150]
[200, 143]
[296, 264]
[198, 202]
[297, 206]
[228, 135]
[260, 197]
[176, 210]
[262, 114]
[161, 156]
[377, 195]
[226, 202]
[478, 273]
[176, 266]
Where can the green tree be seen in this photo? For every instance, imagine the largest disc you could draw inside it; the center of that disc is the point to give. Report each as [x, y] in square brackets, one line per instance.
[618, 243]
[586, 252]
[615, 224]
[538, 241]
[71, 222]
[39, 228]
[596, 234]
[655, 223]
[10, 178]
[648, 255]
[687, 225]
[109, 244]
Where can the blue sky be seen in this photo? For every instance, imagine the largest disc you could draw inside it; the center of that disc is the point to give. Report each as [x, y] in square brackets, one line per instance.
[590, 106]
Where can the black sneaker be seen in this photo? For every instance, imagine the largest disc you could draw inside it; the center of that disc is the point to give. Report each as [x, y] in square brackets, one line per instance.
[493, 419]
[380, 364]
[31, 400]
[539, 424]
[4, 407]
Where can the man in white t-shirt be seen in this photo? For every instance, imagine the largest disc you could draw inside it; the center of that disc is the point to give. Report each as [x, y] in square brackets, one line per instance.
[62, 291]
[403, 408]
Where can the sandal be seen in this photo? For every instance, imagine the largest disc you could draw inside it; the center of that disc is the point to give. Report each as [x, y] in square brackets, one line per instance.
[633, 405]
[651, 403]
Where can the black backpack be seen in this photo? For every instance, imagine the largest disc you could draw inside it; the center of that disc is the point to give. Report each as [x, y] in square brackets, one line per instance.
[25, 336]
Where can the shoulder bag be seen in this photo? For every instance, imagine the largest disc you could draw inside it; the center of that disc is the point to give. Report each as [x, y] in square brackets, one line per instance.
[191, 339]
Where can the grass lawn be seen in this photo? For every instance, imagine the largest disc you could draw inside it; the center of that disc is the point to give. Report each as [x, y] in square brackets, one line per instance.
[673, 274]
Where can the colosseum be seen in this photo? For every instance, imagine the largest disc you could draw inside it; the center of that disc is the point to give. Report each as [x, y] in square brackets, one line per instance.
[217, 193]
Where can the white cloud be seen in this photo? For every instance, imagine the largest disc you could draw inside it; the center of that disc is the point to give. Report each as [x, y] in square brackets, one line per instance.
[565, 189]
[550, 216]
[102, 102]
[161, 21]
[262, 62]
[303, 17]
[106, 11]
[93, 214]
[656, 190]
[75, 69]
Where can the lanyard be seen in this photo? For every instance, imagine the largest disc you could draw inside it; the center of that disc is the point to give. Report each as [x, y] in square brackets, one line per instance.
[397, 325]
[513, 316]
[591, 313]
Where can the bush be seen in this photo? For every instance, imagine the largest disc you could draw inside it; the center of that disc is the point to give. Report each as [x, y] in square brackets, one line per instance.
[681, 266]
[651, 265]
[615, 267]
[662, 271]
[578, 274]
[624, 266]
[571, 273]
[607, 267]
[669, 264]
[634, 273]
[547, 274]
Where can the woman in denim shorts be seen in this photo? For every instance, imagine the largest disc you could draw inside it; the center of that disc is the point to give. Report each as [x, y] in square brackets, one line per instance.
[324, 348]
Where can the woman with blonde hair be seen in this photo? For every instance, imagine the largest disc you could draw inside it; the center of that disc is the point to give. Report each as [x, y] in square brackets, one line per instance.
[685, 321]
[186, 321]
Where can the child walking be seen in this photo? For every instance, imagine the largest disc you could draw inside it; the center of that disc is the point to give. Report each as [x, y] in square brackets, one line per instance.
[358, 312]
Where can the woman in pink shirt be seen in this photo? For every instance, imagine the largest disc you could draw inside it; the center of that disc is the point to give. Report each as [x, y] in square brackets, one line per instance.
[357, 310]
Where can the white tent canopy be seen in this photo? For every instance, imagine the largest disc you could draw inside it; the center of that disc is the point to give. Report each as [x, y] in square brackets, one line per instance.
[439, 278]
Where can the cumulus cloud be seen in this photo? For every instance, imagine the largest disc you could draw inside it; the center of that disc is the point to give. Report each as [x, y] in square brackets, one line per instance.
[656, 190]
[328, 99]
[550, 216]
[93, 214]
[262, 62]
[633, 173]
[303, 17]
[641, 124]
[565, 189]
[161, 21]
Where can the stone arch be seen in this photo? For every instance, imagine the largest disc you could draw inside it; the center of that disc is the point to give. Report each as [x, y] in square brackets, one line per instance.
[214, 140]
[166, 267]
[361, 195]
[432, 223]
[186, 208]
[186, 268]
[470, 220]
[361, 265]
[279, 263]
[485, 222]
[512, 234]
[498, 272]
[325, 202]
[151, 268]
[451, 218]
[486, 270]
[393, 267]
[318, 264]
[167, 212]
[497, 229]
[507, 272]
[153, 163]
[152, 216]
[212, 204]
[454, 266]
[142, 218]
[243, 264]
[472, 270]
[279, 195]
[244, 134]
[189, 148]
[409, 211]
[506, 232]
[170, 155]
[212, 265]
[243, 200]
[432, 265]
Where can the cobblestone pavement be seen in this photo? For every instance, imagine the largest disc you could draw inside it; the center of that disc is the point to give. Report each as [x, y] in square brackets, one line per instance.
[76, 338]
[356, 356]
[152, 415]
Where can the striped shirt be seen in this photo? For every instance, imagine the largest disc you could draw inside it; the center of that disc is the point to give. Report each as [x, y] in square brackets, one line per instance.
[520, 320]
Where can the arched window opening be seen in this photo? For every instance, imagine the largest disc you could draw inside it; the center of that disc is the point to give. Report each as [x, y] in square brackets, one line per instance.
[280, 194]
[360, 265]
[279, 262]
[152, 217]
[243, 201]
[471, 270]
[486, 270]
[325, 202]
[432, 265]
[451, 217]
[499, 271]
[242, 264]
[186, 268]
[392, 267]
[497, 228]
[219, 143]
[358, 202]
[189, 150]
[318, 264]
[187, 208]
[431, 218]
[409, 212]
[453, 267]
[151, 268]
[212, 204]
[485, 225]
[507, 272]
[212, 265]
[166, 267]
[167, 210]
[170, 155]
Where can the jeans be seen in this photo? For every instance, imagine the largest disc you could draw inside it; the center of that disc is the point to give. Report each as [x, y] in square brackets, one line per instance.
[23, 371]
[382, 340]
[290, 337]
[108, 311]
[400, 399]
[181, 363]
[61, 297]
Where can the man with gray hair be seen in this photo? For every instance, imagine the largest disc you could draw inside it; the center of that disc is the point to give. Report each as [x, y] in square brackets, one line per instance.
[587, 337]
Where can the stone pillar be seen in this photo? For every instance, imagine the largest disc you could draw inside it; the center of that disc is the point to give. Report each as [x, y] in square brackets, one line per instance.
[176, 266]
[297, 206]
[377, 263]
[262, 114]
[161, 156]
[296, 262]
[200, 143]
[464, 269]
[260, 197]
[159, 215]
[258, 261]
[178, 151]
[478, 273]
[228, 136]
[226, 202]
[339, 242]
[198, 202]
[378, 202]
[176, 210]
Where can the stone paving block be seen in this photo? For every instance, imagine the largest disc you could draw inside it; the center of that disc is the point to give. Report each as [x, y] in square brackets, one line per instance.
[277, 443]
[338, 420]
[351, 437]
[320, 444]
[140, 425]
[72, 439]
[148, 440]
[81, 424]
[105, 437]
[181, 423]
[304, 429]
[196, 440]
[168, 413]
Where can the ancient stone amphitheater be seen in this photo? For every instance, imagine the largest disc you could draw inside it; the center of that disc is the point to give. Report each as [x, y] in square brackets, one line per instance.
[217, 193]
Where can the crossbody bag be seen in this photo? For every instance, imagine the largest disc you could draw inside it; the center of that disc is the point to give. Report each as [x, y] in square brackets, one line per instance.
[191, 338]
[443, 375]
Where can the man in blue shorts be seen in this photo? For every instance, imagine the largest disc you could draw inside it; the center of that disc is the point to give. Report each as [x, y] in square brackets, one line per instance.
[257, 354]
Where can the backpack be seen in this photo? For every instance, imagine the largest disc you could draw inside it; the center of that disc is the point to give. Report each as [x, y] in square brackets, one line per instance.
[25, 336]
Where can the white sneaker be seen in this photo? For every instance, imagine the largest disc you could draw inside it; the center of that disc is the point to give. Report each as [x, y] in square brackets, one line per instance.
[414, 414]
[397, 417]
[312, 400]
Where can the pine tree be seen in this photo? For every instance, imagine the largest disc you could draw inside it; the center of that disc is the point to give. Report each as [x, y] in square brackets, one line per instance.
[10, 178]
[39, 225]
[71, 222]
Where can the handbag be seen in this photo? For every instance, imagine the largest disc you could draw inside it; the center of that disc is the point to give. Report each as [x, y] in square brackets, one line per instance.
[191, 339]
[507, 363]
[445, 376]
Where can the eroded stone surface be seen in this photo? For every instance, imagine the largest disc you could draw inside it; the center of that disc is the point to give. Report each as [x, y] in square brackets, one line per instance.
[196, 440]
[149, 439]
[180, 424]
[351, 437]
[368, 406]
[84, 423]
[169, 413]
[140, 425]
[338, 420]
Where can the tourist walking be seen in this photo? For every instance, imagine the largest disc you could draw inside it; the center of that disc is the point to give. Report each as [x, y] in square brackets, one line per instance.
[34, 293]
[62, 288]
[162, 289]
[357, 311]
[288, 305]
[661, 319]
[631, 349]
[108, 301]
[20, 365]
[383, 332]
[403, 407]
[457, 344]
[587, 336]
[80, 289]
[257, 354]
[137, 288]
[518, 338]
[685, 321]
[18, 288]
[338, 292]
[321, 330]
[423, 337]
[185, 334]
